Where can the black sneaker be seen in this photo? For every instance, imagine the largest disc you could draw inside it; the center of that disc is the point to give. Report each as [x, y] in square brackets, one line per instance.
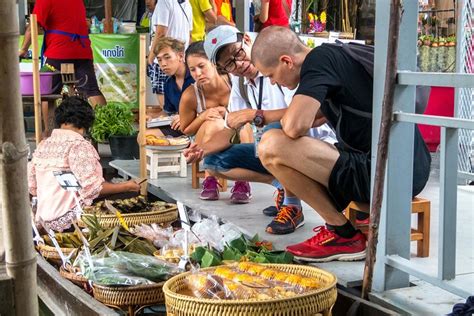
[288, 219]
[273, 210]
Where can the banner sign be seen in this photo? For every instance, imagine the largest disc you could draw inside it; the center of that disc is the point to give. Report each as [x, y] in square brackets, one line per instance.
[116, 60]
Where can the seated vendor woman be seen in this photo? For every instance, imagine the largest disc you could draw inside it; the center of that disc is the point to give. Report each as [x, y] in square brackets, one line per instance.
[170, 55]
[67, 150]
[204, 104]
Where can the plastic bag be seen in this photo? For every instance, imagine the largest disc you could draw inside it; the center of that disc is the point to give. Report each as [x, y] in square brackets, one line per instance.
[159, 236]
[124, 268]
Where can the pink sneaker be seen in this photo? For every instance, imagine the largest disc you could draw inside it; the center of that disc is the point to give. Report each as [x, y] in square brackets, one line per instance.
[210, 189]
[240, 193]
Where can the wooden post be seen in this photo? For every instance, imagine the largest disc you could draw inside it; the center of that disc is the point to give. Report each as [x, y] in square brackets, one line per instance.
[20, 257]
[142, 111]
[36, 79]
[108, 24]
[382, 147]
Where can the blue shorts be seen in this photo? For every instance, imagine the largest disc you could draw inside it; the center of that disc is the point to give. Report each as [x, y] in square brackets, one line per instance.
[238, 156]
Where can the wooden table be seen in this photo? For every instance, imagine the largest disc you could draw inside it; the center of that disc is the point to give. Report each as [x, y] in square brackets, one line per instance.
[47, 110]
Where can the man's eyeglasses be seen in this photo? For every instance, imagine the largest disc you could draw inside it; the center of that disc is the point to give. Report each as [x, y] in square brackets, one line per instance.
[231, 64]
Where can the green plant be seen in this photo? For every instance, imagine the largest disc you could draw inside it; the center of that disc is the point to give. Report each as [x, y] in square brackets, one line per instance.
[113, 119]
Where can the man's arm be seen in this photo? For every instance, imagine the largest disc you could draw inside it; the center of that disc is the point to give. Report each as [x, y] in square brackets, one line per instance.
[160, 32]
[210, 16]
[300, 116]
[26, 42]
[263, 16]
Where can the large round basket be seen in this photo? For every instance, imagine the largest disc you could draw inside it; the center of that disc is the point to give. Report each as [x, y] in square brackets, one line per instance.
[310, 303]
[166, 215]
[51, 254]
[125, 296]
[73, 276]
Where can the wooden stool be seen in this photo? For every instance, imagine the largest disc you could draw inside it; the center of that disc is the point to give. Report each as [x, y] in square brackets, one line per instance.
[421, 234]
[165, 161]
[197, 174]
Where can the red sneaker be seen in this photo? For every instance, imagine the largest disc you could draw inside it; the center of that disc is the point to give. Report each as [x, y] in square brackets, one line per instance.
[327, 246]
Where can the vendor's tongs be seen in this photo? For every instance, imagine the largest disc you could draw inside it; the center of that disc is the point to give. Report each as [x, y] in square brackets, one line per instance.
[112, 209]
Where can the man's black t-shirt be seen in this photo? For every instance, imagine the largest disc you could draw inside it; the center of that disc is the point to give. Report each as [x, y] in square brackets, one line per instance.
[330, 73]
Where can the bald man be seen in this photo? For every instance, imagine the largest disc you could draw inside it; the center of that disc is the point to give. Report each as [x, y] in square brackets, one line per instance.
[334, 87]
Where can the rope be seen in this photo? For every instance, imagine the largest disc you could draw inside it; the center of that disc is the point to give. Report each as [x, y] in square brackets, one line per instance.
[21, 264]
[9, 153]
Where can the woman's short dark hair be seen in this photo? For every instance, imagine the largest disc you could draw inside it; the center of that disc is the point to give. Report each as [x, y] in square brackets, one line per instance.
[197, 49]
[75, 111]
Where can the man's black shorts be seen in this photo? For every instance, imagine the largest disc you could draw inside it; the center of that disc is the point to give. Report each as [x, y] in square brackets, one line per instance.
[350, 178]
[85, 74]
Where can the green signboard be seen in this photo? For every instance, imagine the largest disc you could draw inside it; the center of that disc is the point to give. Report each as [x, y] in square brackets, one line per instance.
[116, 62]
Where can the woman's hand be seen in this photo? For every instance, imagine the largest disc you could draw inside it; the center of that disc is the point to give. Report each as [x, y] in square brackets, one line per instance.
[131, 186]
[212, 114]
[176, 123]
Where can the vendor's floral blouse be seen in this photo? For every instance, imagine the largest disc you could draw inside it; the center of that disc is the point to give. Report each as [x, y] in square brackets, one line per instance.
[65, 150]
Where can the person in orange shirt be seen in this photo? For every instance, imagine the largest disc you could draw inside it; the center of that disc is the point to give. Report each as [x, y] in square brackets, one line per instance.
[223, 9]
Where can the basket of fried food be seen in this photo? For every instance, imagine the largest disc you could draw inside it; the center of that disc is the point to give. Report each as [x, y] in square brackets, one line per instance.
[69, 244]
[251, 289]
[133, 211]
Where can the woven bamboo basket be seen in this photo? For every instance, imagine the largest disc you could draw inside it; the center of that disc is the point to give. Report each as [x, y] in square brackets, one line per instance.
[124, 296]
[51, 254]
[310, 303]
[73, 276]
[164, 216]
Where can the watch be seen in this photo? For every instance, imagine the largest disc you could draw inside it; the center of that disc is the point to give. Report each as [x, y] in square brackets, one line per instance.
[259, 119]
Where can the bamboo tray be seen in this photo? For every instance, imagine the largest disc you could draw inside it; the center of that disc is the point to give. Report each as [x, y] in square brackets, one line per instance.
[310, 303]
[50, 253]
[162, 216]
[129, 297]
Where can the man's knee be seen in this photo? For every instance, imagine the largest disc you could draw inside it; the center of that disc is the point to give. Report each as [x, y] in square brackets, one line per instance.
[269, 145]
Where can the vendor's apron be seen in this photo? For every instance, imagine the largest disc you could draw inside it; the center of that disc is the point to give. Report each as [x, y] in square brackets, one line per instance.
[73, 36]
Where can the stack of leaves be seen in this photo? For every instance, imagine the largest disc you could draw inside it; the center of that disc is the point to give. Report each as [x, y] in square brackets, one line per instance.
[113, 119]
[241, 249]
[115, 239]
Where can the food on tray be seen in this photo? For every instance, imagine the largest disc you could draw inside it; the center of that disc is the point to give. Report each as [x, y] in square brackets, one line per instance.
[133, 205]
[277, 275]
[176, 141]
[205, 285]
[153, 140]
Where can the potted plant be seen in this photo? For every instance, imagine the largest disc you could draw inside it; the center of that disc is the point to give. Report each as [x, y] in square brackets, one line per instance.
[114, 123]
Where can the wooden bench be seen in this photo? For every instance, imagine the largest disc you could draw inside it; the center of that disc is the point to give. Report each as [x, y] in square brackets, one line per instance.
[199, 174]
[419, 206]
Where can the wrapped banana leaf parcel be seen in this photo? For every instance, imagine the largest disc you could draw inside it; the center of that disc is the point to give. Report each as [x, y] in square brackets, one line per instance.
[119, 268]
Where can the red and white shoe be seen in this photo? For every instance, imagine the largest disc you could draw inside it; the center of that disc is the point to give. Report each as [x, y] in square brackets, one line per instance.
[326, 246]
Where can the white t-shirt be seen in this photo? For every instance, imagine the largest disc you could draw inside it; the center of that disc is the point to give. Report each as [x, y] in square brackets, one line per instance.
[273, 98]
[178, 18]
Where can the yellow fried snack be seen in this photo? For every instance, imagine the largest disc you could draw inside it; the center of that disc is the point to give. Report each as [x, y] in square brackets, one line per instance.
[152, 140]
[309, 283]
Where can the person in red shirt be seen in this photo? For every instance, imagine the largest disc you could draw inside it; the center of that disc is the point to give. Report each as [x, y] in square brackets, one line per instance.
[275, 12]
[66, 40]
